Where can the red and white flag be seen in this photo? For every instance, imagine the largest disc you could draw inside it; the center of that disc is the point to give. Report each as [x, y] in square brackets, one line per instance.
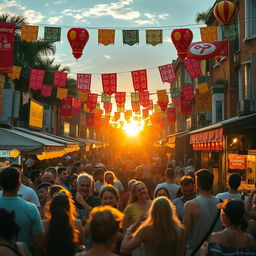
[139, 79]
[109, 83]
[36, 79]
[60, 79]
[83, 82]
[167, 73]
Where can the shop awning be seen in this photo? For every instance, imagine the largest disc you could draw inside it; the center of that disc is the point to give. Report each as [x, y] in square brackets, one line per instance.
[171, 139]
[82, 142]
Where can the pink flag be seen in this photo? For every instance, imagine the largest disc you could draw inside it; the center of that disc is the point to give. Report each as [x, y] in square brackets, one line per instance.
[46, 91]
[36, 79]
[120, 98]
[108, 107]
[83, 82]
[188, 92]
[60, 79]
[171, 115]
[193, 67]
[186, 105]
[109, 83]
[167, 73]
[144, 98]
[66, 108]
[92, 100]
[176, 101]
[145, 113]
[150, 106]
[139, 79]
[76, 107]
[90, 120]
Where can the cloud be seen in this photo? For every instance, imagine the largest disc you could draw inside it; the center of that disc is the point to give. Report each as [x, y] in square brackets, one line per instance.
[54, 20]
[59, 2]
[107, 57]
[145, 22]
[163, 16]
[33, 16]
[168, 39]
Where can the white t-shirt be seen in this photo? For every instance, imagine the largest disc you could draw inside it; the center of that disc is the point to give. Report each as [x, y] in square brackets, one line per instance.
[172, 188]
[227, 195]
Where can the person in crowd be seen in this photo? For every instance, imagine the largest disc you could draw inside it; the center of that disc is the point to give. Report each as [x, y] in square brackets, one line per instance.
[111, 179]
[105, 222]
[63, 233]
[83, 198]
[73, 183]
[162, 191]
[8, 230]
[169, 183]
[234, 183]
[250, 210]
[200, 213]
[109, 196]
[36, 180]
[99, 179]
[160, 234]
[88, 169]
[179, 172]
[43, 190]
[54, 173]
[62, 177]
[126, 196]
[190, 167]
[233, 240]
[48, 177]
[188, 193]
[26, 214]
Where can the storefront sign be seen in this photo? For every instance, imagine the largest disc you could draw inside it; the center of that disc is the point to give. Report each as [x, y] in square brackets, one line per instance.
[237, 161]
[36, 114]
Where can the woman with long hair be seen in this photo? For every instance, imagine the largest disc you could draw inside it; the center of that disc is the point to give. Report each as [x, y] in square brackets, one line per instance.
[104, 226]
[61, 233]
[109, 196]
[111, 179]
[233, 240]
[160, 234]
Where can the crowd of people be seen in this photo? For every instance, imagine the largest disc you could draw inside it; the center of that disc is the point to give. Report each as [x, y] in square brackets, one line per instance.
[131, 205]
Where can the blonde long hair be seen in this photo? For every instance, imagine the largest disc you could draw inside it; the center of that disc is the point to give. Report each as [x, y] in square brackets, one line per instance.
[133, 198]
[163, 219]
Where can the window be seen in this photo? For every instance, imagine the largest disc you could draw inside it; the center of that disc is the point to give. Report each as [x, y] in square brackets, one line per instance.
[250, 18]
[247, 82]
[219, 110]
[187, 79]
[240, 85]
[237, 40]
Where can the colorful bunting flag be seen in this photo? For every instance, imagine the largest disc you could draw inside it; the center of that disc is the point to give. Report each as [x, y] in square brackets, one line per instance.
[83, 96]
[229, 32]
[193, 68]
[15, 74]
[85, 108]
[120, 97]
[127, 115]
[46, 91]
[156, 108]
[109, 83]
[186, 105]
[29, 33]
[203, 102]
[60, 79]
[163, 104]
[105, 98]
[135, 106]
[161, 95]
[120, 108]
[209, 34]
[36, 79]
[171, 115]
[145, 113]
[203, 88]
[150, 106]
[106, 36]
[66, 107]
[188, 92]
[62, 93]
[167, 73]
[92, 100]
[76, 107]
[7, 32]
[135, 97]
[175, 92]
[90, 120]
[130, 37]
[108, 107]
[144, 98]
[139, 79]
[154, 37]
[52, 34]
[83, 82]
[176, 101]
[117, 116]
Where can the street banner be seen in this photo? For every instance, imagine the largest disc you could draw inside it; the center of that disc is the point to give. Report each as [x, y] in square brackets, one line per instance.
[163, 104]
[161, 95]
[120, 98]
[237, 162]
[83, 82]
[108, 107]
[176, 101]
[188, 92]
[127, 115]
[106, 36]
[105, 98]
[145, 113]
[229, 32]
[60, 79]
[90, 120]
[92, 100]
[135, 107]
[135, 96]
[203, 88]
[52, 34]
[117, 116]
[46, 91]
[7, 31]
[36, 79]
[186, 105]
[175, 92]
[62, 93]
[76, 107]
[209, 34]
[167, 73]
[139, 79]
[66, 108]
[83, 96]
[144, 98]
[171, 115]
[130, 37]
[154, 37]
[109, 83]
[193, 68]
[29, 33]
[151, 105]
[15, 73]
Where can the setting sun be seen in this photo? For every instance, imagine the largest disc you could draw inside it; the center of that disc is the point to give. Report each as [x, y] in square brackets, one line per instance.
[133, 128]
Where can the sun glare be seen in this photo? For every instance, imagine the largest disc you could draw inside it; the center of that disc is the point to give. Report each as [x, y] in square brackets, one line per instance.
[133, 128]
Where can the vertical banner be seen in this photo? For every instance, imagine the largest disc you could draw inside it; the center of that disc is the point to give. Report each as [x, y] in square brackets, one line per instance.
[36, 79]
[62, 93]
[175, 92]
[154, 37]
[108, 107]
[15, 73]
[135, 97]
[83, 96]
[106, 36]
[109, 83]
[127, 115]
[193, 68]
[66, 108]
[52, 34]
[209, 34]
[90, 120]
[76, 107]
[135, 107]
[29, 33]
[167, 73]
[120, 98]
[46, 91]
[186, 105]
[144, 98]
[105, 98]
[60, 79]
[130, 37]
[83, 82]
[203, 88]
[92, 100]
[171, 115]
[7, 31]
[117, 116]
[163, 104]
[145, 113]
[229, 32]
[139, 79]
[188, 92]
[176, 101]
[150, 106]
[161, 95]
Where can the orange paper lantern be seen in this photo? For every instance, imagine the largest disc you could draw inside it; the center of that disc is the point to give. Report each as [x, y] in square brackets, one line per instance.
[224, 12]
[77, 37]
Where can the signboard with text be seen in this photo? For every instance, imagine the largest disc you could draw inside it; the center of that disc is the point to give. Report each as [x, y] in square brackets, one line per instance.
[36, 114]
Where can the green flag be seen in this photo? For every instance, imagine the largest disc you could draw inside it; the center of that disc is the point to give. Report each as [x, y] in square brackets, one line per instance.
[52, 34]
[229, 32]
[175, 92]
[135, 97]
[105, 98]
[130, 37]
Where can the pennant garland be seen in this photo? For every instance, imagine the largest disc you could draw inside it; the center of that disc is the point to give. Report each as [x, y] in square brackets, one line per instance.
[60, 79]
[36, 79]
[46, 91]
[62, 93]
[139, 79]
[144, 98]
[117, 116]
[193, 68]
[154, 37]
[127, 115]
[163, 105]
[229, 32]
[130, 37]
[90, 120]
[167, 73]
[150, 106]
[188, 92]
[209, 34]
[186, 105]
[171, 115]
[52, 34]
[66, 108]
[120, 98]
[109, 83]
[85, 108]
[92, 100]
[120, 108]
[15, 74]
[145, 113]
[108, 107]
[176, 101]
[135, 97]
[161, 95]
[83, 82]
[135, 106]
[76, 107]
[203, 88]
[105, 98]
[83, 96]
[29, 33]
[175, 92]
[106, 36]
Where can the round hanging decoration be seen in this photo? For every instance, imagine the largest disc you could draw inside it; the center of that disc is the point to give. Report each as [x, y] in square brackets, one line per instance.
[182, 39]
[224, 12]
[14, 153]
[78, 38]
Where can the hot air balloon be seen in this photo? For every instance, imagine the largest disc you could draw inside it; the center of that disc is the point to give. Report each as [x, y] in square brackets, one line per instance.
[77, 37]
[225, 11]
[182, 39]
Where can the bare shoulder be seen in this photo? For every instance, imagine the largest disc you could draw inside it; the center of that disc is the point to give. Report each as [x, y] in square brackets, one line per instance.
[191, 205]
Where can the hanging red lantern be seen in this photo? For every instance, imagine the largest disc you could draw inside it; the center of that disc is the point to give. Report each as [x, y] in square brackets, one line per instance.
[77, 37]
[182, 39]
[224, 12]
